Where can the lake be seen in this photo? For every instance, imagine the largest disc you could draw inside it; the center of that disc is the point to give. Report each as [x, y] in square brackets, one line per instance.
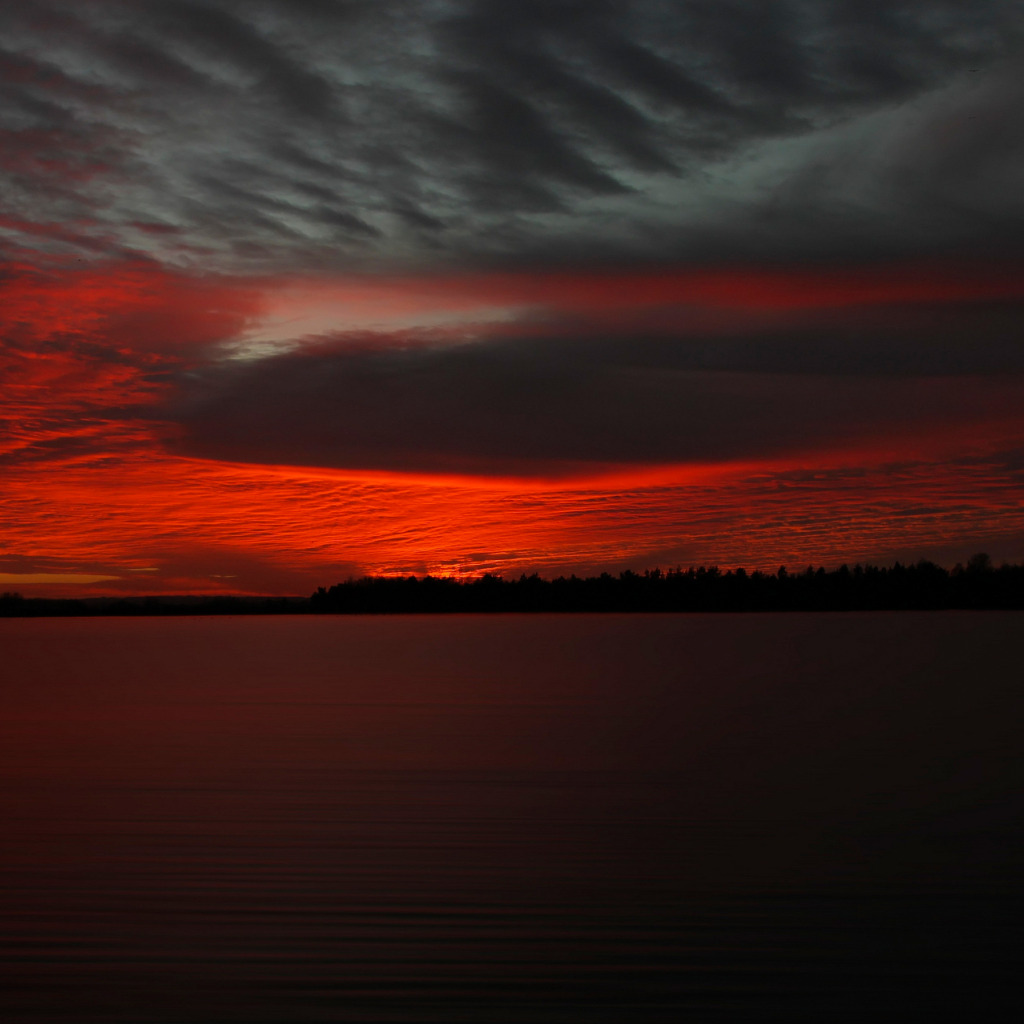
[511, 818]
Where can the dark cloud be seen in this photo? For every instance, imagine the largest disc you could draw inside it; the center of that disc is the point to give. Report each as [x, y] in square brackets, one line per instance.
[563, 406]
[227, 37]
[638, 67]
[528, 63]
[759, 48]
[152, 64]
[477, 131]
[510, 140]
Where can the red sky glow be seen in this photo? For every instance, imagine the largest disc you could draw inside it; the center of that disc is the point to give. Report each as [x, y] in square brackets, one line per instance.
[256, 338]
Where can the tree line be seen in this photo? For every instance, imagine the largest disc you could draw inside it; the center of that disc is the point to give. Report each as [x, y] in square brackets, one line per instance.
[922, 585]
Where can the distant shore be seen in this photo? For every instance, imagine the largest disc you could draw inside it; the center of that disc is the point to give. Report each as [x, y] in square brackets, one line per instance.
[918, 587]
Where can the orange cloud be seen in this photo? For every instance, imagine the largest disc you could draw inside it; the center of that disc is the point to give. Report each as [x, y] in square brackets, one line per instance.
[91, 490]
[210, 527]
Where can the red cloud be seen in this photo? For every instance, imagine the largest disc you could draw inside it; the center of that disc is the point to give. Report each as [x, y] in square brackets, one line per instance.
[88, 484]
[137, 306]
[732, 287]
[84, 348]
[280, 530]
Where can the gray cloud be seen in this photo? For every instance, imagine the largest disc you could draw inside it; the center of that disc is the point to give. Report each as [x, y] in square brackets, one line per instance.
[317, 134]
[224, 36]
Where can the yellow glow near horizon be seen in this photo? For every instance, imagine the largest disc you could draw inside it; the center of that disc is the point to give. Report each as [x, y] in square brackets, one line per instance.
[20, 578]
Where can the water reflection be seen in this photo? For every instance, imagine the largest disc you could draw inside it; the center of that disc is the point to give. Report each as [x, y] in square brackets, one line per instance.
[509, 818]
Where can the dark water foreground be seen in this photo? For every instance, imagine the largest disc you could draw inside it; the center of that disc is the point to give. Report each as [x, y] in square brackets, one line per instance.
[511, 818]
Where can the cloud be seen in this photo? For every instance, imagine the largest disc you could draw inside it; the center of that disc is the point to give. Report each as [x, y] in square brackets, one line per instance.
[86, 350]
[29, 578]
[216, 32]
[940, 171]
[331, 135]
[551, 375]
[564, 406]
[130, 305]
[570, 240]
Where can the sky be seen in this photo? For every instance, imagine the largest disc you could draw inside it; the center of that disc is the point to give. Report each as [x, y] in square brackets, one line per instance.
[298, 290]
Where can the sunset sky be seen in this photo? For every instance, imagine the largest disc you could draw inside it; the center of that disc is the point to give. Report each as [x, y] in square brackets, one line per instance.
[293, 290]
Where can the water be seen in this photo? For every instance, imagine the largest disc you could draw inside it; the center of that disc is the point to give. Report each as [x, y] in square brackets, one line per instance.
[510, 818]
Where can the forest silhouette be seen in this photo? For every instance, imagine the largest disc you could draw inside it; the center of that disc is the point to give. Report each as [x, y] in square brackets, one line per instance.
[919, 586]
[923, 585]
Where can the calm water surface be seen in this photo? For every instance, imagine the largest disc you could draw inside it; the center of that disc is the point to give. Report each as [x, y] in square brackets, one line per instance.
[510, 818]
